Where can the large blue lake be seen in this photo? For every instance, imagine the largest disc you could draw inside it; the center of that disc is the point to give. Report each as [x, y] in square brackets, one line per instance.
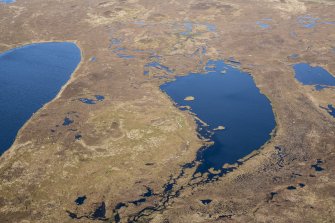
[31, 76]
[225, 96]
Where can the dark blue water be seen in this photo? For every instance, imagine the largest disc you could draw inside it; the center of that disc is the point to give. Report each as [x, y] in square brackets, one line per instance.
[317, 166]
[31, 76]
[291, 188]
[316, 76]
[100, 212]
[91, 101]
[80, 200]
[331, 110]
[149, 192]
[230, 99]
[206, 201]
[67, 121]
[302, 185]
